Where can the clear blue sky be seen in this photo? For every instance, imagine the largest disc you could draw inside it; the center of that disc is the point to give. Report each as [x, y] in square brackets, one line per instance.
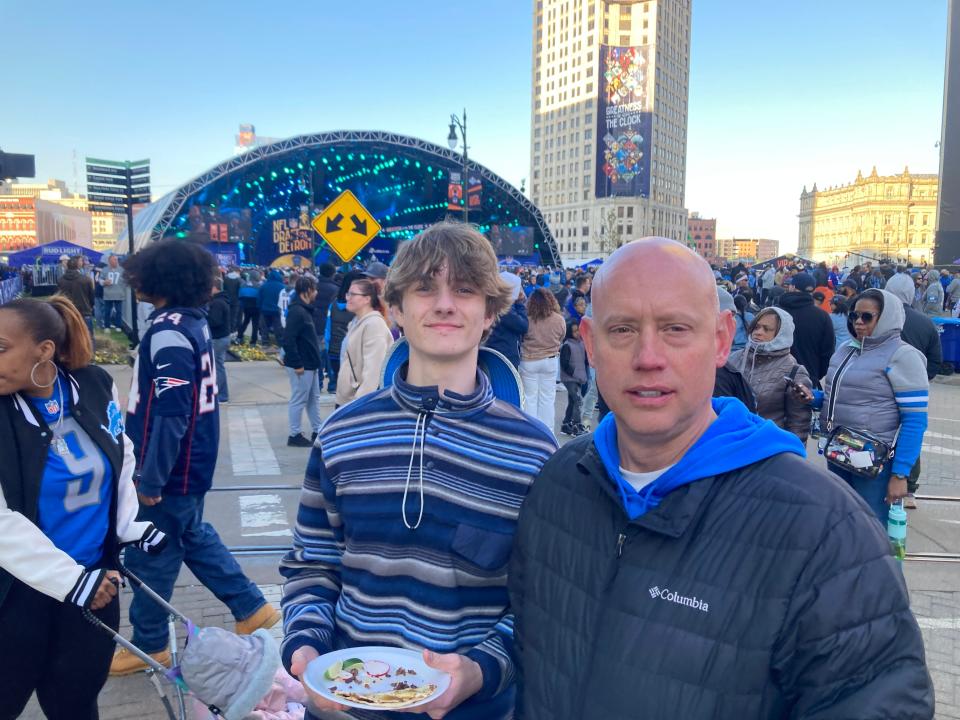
[781, 94]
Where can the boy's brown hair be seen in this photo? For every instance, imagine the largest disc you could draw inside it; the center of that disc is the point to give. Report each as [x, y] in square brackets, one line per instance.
[467, 255]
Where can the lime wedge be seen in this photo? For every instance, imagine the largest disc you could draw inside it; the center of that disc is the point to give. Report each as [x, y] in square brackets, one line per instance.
[352, 662]
[333, 672]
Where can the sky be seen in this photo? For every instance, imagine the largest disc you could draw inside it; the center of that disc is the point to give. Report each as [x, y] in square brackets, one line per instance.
[782, 94]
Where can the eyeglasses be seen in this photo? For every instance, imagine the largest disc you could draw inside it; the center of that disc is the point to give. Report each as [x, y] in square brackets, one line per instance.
[867, 317]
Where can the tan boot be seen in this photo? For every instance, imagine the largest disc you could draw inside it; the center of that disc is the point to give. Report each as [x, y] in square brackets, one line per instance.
[266, 617]
[126, 663]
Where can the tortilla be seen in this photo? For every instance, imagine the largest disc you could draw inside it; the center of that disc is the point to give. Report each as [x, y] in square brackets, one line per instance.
[393, 698]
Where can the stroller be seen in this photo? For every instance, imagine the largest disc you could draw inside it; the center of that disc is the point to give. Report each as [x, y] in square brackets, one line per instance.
[227, 673]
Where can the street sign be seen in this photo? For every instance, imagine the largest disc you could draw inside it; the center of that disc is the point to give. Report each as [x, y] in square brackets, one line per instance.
[107, 199]
[111, 171]
[119, 209]
[346, 225]
[107, 189]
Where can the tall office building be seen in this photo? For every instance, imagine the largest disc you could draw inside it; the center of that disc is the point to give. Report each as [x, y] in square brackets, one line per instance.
[609, 121]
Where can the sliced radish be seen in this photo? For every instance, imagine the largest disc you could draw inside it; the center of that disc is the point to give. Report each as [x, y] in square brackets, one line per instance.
[376, 668]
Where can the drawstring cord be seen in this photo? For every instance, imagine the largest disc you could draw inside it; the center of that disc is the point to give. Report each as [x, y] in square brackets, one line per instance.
[419, 433]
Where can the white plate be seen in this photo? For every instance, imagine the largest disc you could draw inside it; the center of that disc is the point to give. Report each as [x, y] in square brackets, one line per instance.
[394, 657]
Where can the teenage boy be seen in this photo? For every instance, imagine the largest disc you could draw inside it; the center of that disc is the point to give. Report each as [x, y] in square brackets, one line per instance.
[412, 494]
[173, 420]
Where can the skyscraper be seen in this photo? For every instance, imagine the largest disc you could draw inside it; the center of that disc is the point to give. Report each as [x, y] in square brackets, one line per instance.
[609, 121]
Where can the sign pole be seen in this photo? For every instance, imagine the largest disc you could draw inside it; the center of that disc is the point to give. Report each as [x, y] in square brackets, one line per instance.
[130, 250]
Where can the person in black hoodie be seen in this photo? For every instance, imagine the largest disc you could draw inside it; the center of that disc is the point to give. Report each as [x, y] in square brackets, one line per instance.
[507, 334]
[326, 293]
[220, 318]
[813, 338]
[301, 357]
[231, 290]
[336, 330]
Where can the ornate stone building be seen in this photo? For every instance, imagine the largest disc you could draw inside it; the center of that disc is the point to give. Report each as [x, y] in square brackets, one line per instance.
[889, 217]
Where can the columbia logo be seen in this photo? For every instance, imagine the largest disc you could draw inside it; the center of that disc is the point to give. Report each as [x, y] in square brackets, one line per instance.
[674, 597]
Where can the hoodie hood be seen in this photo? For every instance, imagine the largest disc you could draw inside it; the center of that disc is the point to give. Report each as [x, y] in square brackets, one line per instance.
[784, 337]
[889, 324]
[275, 275]
[902, 287]
[737, 438]
[933, 276]
[892, 316]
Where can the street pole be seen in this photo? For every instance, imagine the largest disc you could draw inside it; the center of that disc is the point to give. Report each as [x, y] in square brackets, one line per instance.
[130, 250]
[466, 182]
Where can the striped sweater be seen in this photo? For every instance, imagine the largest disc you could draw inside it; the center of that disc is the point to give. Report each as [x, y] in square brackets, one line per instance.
[404, 531]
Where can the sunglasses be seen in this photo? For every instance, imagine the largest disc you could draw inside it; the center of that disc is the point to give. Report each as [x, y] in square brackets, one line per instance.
[867, 317]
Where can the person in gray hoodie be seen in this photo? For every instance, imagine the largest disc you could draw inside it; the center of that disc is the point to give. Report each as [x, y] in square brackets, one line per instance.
[765, 362]
[920, 332]
[930, 301]
[115, 291]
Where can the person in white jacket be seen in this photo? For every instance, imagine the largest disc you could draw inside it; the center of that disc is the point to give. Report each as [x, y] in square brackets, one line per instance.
[67, 504]
[365, 347]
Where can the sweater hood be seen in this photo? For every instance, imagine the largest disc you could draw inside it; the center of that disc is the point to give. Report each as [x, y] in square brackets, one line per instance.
[736, 438]
[902, 287]
[275, 275]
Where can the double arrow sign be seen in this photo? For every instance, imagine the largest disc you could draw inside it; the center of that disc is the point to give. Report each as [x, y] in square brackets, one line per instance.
[359, 226]
[346, 241]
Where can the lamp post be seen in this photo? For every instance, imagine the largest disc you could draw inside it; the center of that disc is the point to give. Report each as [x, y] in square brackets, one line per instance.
[455, 123]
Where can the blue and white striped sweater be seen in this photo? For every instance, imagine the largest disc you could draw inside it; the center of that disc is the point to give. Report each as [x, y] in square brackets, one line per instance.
[358, 576]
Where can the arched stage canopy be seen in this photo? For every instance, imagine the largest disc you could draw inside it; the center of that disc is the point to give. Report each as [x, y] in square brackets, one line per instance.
[263, 200]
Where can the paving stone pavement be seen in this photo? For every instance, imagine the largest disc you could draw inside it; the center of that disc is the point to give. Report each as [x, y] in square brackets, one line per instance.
[936, 602]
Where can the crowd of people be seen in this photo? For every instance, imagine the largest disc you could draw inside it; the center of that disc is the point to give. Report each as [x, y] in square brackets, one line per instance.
[677, 557]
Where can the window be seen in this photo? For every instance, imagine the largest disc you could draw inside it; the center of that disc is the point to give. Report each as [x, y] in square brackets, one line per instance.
[584, 246]
[620, 211]
[925, 219]
[588, 135]
[629, 229]
[584, 231]
[630, 212]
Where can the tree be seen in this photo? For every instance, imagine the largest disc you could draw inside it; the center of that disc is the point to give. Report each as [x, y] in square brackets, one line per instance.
[610, 237]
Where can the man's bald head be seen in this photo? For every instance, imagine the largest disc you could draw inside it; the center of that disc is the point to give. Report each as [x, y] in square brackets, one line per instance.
[655, 339]
[654, 261]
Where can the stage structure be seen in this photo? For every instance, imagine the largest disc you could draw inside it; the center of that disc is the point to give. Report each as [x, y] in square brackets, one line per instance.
[262, 202]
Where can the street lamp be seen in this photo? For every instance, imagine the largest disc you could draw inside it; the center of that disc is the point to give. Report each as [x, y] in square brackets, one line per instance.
[455, 123]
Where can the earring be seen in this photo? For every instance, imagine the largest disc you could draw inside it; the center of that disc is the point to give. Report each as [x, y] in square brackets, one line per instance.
[33, 371]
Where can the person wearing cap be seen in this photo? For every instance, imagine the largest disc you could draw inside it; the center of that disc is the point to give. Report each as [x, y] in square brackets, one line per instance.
[412, 493]
[813, 338]
[507, 334]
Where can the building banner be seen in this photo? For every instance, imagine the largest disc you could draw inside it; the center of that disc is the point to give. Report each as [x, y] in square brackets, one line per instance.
[455, 192]
[623, 123]
[474, 191]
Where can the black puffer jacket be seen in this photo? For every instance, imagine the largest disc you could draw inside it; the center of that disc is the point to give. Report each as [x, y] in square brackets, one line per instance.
[767, 592]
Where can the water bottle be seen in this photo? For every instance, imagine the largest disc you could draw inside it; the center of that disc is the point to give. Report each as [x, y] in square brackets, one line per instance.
[897, 530]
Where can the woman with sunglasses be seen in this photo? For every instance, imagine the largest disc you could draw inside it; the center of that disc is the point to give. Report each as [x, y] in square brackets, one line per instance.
[365, 346]
[877, 384]
[67, 502]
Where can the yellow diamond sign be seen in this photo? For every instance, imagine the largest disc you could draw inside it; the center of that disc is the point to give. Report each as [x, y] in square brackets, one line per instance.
[346, 225]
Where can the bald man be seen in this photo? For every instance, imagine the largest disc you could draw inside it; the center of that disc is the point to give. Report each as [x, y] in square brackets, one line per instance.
[685, 561]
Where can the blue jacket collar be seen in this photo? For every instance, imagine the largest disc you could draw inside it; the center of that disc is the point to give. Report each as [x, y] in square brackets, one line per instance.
[737, 438]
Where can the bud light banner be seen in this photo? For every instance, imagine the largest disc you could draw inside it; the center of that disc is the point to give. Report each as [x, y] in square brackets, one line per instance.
[623, 123]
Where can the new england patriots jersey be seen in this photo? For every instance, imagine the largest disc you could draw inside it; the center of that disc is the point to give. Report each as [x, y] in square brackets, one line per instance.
[175, 376]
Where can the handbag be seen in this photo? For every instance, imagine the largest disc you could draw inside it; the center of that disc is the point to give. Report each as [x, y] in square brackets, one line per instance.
[856, 451]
